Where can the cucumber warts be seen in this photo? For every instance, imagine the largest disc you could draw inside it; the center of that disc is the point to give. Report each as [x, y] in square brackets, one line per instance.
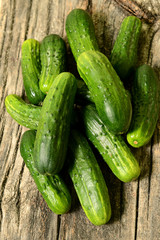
[146, 106]
[113, 148]
[124, 53]
[52, 188]
[23, 113]
[31, 70]
[88, 180]
[111, 99]
[54, 127]
[53, 60]
[80, 32]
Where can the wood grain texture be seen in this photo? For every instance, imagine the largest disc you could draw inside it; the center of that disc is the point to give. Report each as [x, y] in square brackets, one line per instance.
[23, 213]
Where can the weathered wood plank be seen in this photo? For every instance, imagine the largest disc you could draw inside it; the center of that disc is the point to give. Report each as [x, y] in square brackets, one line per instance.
[23, 212]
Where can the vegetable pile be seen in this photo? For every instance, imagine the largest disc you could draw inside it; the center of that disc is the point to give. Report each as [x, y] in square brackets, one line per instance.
[65, 114]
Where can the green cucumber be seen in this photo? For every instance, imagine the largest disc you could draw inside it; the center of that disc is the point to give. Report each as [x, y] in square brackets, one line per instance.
[88, 180]
[111, 99]
[83, 95]
[31, 69]
[53, 60]
[23, 113]
[52, 188]
[146, 106]
[28, 115]
[80, 32]
[124, 53]
[54, 127]
[113, 148]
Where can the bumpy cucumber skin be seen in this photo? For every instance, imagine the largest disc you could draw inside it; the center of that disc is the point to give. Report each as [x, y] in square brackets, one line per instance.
[146, 106]
[53, 60]
[31, 69]
[111, 99]
[54, 127]
[52, 188]
[124, 53]
[23, 113]
[88, 180]
[80, 32]
[113, 148]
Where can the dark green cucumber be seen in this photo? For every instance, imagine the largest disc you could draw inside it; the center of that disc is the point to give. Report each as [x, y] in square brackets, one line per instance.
[31, 69]
[83, 95]
[146, 106]
[54, 127]
[111, 99]
[53, 60]
[124, 53]
[88, 180]
[80, 32]
[25, 114]
[52, 188]
[113, 148]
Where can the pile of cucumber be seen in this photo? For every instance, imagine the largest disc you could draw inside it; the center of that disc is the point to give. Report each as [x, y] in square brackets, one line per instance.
[64, 114]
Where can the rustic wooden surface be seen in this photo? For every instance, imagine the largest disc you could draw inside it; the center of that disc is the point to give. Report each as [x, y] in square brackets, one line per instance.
[23, 213]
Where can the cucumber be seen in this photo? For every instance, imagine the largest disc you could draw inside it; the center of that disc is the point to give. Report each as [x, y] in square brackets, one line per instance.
[124, 53]
[111, 99]
[31, 69]
[53, 60]
[52, 188]
[28, 115]
[146, 106]
[113, 148]
[54, 127]
[88, 180]
[23, 113]
[80, 32]
[83, 95]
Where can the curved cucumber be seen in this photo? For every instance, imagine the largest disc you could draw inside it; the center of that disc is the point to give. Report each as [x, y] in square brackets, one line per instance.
[25, 114]
[88, 180]
[53, 60]
[113, 148]
[28, 115]
[54, 127]
[111, 99]
[146, 106]
[31, 69]
[124, 53]
[80, 32]
[52, 188]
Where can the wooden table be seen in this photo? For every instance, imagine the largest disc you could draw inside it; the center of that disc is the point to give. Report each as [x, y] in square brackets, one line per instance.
[23, 213]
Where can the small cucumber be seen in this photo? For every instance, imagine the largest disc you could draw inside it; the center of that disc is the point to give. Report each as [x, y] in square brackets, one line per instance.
[53, 189]
[124, 53]
[31, 69]
[146, 106]
[23, 113]
[88, 180]
[113, 148]
[111, 99]
[53, 60]
[80, 32]
[28, 115]
[54, 127]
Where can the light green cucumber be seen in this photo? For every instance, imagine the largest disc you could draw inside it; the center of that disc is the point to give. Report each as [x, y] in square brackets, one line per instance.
[88, 180]
[31, 70]
[23, 113]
